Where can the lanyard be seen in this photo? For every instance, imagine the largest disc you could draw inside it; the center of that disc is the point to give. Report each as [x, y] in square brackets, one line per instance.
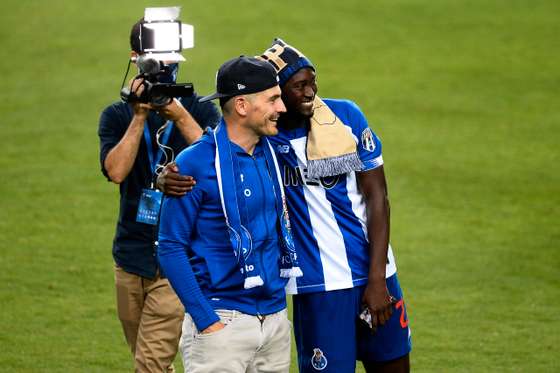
[154, 160]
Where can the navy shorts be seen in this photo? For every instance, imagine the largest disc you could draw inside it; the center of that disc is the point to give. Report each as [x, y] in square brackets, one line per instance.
[330, 337]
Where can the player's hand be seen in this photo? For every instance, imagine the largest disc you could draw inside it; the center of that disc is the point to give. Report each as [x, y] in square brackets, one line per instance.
[213, 328]
[379, 301]
[173, 111]
[172, 184]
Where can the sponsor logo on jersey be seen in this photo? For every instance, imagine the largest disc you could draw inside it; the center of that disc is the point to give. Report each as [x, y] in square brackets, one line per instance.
[284, 149]
[368, 141]
[318, 360]
[295, 177]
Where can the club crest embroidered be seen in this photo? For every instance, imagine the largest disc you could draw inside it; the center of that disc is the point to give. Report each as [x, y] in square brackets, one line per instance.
[318, 360]
[368, 142]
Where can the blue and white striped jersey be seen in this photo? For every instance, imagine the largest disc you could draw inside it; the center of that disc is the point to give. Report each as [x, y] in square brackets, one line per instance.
[329, 215]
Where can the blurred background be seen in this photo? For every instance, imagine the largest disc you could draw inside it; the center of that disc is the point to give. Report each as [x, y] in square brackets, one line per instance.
[464, 94]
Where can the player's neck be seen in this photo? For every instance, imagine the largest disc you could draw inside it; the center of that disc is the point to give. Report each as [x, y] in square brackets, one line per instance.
[243, 136]
[293, 120]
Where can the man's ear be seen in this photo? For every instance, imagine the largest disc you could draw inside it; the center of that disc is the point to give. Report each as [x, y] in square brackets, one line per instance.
[133, 56]
[241, 105]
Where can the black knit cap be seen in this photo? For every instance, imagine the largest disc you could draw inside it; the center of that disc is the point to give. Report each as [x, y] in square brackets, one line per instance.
[243, 75]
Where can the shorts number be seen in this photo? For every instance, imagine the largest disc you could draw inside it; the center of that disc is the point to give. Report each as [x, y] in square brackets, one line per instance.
[404, 319]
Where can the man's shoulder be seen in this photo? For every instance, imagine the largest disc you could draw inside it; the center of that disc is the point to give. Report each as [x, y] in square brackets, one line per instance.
[117, 107]
[117, 110]
[114, 117]
[342, 106]
[349, 113]
[199, 156]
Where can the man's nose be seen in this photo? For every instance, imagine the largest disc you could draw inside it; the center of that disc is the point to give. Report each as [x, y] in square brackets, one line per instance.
[280, 107]
[308, 91]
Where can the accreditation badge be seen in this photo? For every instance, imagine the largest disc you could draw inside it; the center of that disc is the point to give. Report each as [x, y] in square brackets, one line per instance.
[149, 206]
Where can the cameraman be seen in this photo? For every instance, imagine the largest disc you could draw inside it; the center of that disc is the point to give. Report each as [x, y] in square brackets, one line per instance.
[150, 313]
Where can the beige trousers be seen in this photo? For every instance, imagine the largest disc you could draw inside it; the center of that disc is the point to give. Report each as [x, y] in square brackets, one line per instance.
[246, 344]
[151, 316]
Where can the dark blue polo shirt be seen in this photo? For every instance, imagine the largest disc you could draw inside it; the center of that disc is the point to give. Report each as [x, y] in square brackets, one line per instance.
[134, 245]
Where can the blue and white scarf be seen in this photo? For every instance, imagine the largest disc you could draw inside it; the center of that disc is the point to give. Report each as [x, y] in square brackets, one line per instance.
[227, 168]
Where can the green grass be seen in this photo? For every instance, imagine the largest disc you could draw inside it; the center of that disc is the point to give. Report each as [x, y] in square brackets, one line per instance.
[464, 95]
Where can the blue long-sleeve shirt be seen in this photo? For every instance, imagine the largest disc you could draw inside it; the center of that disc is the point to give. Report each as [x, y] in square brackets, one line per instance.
[194, 247]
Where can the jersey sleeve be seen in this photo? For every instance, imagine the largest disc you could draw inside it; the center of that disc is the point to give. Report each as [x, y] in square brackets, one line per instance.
[368, 144]
[177, 221]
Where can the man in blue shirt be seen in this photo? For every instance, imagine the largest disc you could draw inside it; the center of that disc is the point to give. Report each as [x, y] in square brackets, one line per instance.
[226, 247]
[149, 311]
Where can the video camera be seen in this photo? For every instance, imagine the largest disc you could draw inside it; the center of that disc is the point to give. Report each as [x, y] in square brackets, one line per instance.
[162, 36]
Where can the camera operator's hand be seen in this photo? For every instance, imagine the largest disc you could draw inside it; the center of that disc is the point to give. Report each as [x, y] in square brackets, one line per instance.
[177, 113]
[140, 109]
[174, 111]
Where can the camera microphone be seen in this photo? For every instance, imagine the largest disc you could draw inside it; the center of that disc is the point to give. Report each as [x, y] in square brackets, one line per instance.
[148, 65]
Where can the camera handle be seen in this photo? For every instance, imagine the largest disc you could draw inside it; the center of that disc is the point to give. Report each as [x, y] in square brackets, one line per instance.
[128, 96]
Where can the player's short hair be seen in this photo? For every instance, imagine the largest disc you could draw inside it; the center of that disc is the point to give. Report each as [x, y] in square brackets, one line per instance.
[135, 36]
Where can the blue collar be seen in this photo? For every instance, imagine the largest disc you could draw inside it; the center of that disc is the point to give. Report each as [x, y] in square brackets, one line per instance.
[239, 150]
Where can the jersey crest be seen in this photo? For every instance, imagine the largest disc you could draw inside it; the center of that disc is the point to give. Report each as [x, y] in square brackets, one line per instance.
[318, 361]
[368, 142]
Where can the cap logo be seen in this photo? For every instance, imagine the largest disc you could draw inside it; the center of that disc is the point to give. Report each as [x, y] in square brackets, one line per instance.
[273, 54]
[240, 86]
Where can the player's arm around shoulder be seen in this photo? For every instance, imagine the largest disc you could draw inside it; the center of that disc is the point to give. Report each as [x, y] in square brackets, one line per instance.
[179, 213]
[176, 182]
[195, 162]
